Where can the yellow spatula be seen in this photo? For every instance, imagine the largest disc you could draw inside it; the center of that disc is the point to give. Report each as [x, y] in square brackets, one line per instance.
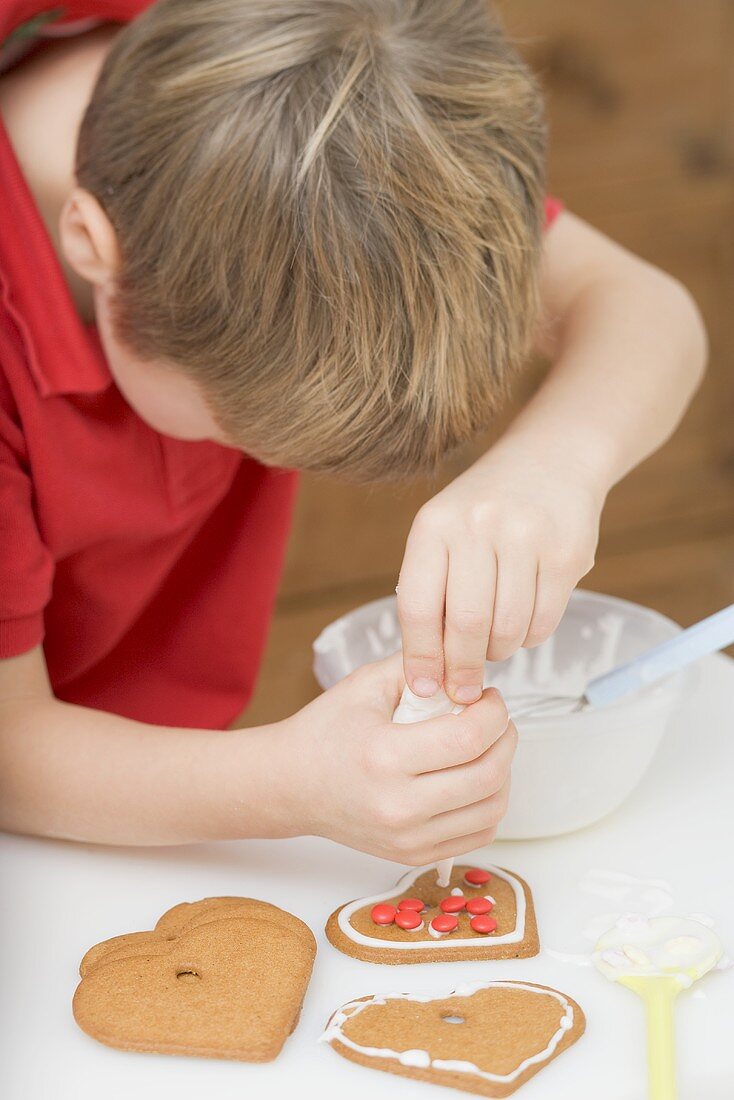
[656, 958]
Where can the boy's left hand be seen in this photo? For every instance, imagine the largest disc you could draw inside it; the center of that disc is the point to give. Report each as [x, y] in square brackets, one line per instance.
[490, 563]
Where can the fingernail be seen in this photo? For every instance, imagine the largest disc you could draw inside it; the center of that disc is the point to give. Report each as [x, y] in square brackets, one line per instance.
[467, 694]
[424, 687]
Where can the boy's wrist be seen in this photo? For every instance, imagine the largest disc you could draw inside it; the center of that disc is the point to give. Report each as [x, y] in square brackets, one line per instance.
[577, 458]
[258, 792]
[582, 454]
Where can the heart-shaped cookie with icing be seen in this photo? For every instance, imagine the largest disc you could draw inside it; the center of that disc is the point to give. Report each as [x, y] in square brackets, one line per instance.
[483, 913]
[487, 1037]
[221, 981]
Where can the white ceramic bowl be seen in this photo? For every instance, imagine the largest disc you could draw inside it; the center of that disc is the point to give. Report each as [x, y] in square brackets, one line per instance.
[569, 770]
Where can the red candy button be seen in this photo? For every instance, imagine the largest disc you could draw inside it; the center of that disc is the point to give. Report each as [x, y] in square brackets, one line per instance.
[408, 919]
[478, 906]
[483, 924]
[453, 904]
[475, 876]
[411, 903]
[383, 914]
[444, 922]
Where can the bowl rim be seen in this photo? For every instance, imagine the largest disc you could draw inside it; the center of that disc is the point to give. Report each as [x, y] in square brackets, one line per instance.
[651, 697]
[338, 624]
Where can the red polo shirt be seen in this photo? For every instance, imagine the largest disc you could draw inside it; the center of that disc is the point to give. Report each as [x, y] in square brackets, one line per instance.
[146, 566]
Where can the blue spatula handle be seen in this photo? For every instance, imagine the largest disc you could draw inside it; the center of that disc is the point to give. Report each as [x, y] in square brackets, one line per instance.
[708, 636]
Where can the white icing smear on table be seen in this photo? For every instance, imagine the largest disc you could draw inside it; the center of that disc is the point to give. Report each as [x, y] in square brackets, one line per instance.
[422, 1059]
[635, 899]
[572, 957]
[348, 911]
[649, 896]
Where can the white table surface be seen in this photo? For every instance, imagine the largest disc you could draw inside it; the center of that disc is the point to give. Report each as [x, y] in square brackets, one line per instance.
[58, 899]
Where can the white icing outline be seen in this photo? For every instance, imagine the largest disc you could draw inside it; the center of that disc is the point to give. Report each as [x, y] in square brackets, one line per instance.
[515, 936]
[421, 1058]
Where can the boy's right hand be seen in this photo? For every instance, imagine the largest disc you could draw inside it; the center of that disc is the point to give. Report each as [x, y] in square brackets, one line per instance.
[411, 793]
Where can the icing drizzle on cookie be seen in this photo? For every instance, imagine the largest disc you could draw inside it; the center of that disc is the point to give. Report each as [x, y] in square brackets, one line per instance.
[422, 1059]
[516, 935]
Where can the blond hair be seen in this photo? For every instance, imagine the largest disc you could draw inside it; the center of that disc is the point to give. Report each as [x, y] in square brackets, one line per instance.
[329, 214]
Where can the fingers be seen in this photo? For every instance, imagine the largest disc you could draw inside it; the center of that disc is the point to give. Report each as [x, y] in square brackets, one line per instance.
[459, 787]
[470, 592]
[377, 686]
[457, 808]
[484, 814]
[421, 598]
[452, 834]
[453, 739]
[419, 853]
[459, 846]
[551, 597]
[513, 603]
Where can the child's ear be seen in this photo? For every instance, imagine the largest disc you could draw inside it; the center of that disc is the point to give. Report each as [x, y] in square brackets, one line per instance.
[88, 239]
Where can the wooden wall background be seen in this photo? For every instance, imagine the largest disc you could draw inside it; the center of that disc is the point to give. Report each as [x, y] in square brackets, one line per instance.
[641, 106]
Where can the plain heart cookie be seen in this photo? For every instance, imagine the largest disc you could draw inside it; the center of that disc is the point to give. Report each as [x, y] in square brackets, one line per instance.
[483, 913]
[229, 984]
[187, 914]
[487, 1037]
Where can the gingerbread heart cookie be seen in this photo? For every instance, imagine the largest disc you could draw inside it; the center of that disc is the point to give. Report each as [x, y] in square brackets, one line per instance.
[487, 1037]
[483, 913]
[187, 914]
[230, 986]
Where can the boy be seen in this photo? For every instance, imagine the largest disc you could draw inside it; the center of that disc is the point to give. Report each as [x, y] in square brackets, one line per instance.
[310, 235]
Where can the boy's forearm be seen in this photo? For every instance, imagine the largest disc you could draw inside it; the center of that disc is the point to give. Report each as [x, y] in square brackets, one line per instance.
[628, 349]
[629, 357]
[79, 774]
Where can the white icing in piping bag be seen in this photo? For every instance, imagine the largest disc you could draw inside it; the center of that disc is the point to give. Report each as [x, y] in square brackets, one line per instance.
[412, 708]
[444, 867]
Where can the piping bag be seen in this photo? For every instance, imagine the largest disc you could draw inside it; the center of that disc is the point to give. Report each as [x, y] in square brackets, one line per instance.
[412, 708]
